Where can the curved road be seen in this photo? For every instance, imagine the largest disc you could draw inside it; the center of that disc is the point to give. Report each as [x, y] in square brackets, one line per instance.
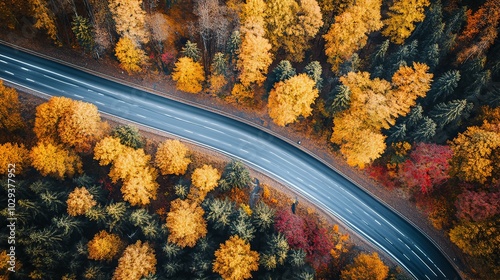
[300, 171]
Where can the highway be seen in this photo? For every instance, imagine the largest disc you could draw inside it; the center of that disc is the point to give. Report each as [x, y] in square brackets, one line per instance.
[279, 159]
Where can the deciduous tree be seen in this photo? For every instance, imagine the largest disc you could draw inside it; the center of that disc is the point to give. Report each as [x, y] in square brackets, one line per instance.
[403, 14]
[292, 98]
[188, 74]
[476, 206]
[130, 20]
[366, 266]
[480, 239]
[10, 109]
[44, 19]
[235, 260]
[131, 57]
[105, 246]
[185, 223]
[13, 156]
[172, 157]
[54, 160]
[47, 118]
[138, 260]
[80, 201]
[107, 150]
[204, 179]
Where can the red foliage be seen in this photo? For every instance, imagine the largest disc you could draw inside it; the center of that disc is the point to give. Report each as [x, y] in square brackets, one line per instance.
[427, 166]
[381, 175]
[477, 206]
[307, 235]
[167, 58]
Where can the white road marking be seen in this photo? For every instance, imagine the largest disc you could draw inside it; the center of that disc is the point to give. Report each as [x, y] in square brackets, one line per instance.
[424, 262]
[188, 131]
[52, 78]
[377, 222]
[4, 62]
[265, 159]
[388, 240]
[28, 79]
[427, 277]
[168, 115]
[8, 72]
[100, 103]
[139, 115]
[406, 257]
[350, 212]
[79, 96]
[313, 187]
[300, 179]
[245, 151]
[25, 69]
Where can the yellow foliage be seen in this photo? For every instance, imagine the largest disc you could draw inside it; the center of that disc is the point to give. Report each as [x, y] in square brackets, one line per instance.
[292, 98]
[241, 94]
[10, 114]
[54, 160]
[252, 12]
[247, 209]
[365, 267]
[350, 30]
[204, 179]
[130, 19]
[44, 19]
[234, 260]
[171, 157]
[188, 74]
[131, 57]
[15, 154]
[403, 15]
[104, 246]
[107, 150]
[80, 201]
[185, 223]
[279, 16]
[48, 116]
[138, 260]
[217, 83]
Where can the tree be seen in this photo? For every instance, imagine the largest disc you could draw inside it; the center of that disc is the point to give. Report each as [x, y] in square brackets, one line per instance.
[424, 130]
[105, 246]
[263, 216]
[276, 252]
[402, 17]
[453, 111]
[292, 98]
[236, 175]
[213, 25]
[279, 16]
[185, 223]
[476, 206]
[292, 226]
[349, 31]
[191, 50]
[54, 160]
[131, 57]
[80, 201]
[444, 86]
[220, 212]
[83, 32]
[235, 260]
[204, 180]
[171, 157]
[44, 19]
[474, 153]
[480, 32]
[10, 109]
[340, 100]
[314, 70]
[129, 136]
[426, 167]
[48, 116]
[233, 47]
[366, 266]
[480, 239]
[159, 29]
[188, 74]
[130, 20]
[80, 126]
[13, 156]
[138, 260]
[283, 71]
[107, 150]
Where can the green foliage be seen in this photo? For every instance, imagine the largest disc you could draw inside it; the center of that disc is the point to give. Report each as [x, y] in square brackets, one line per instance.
[444, 86]
[219, 213]
[233, 47]
[129, 136]
[219, 64]
[453, 111]
[83, 32]
[263, 217]
[283, 71]
[192, 51]
[242, 226]
[341, 99]
[314, 70]
[424, 131]
[236, 175]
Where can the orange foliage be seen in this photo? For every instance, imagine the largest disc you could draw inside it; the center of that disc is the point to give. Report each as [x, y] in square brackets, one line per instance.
[10, 114]
[234, 260]
[15, 154]
[54, 160]
[171, 157]
[105, 246]
[185, 223]
[138, 260]
[366, 267]
[80, 201]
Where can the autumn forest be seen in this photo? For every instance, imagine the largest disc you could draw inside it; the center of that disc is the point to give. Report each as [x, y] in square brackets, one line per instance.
[405, 92]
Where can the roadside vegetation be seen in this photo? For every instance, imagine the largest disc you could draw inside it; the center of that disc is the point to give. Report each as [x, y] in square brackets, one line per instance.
[406, 91]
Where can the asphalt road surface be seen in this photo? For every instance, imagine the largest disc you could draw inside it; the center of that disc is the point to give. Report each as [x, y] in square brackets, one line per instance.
[300, 171]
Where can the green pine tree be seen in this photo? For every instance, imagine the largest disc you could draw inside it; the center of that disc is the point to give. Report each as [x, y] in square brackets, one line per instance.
[129, 136]
[191, 50]
[83, 32]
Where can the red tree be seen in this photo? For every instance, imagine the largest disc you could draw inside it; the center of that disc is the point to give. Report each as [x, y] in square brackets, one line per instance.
[477, 206]
[426, 167]
[292, 226]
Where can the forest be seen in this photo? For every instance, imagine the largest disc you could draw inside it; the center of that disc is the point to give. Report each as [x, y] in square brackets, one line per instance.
[406, 91]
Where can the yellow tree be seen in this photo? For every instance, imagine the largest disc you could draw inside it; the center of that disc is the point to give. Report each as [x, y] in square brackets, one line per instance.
[107, 150]
[10, 113]
[80, 201]
[235, 260]
[105, 246]
[350, 30]
[366, 267]
[130, 19]
[292, 98]
[204, 179]
[14, 157]
[131, 57]
[172, 157]
[188, 74]
[44, 19]
[185, 223]
[138, 260]
[81, 127]
[54, 160]
[279, 16]
[48, 116]
[403, 14]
